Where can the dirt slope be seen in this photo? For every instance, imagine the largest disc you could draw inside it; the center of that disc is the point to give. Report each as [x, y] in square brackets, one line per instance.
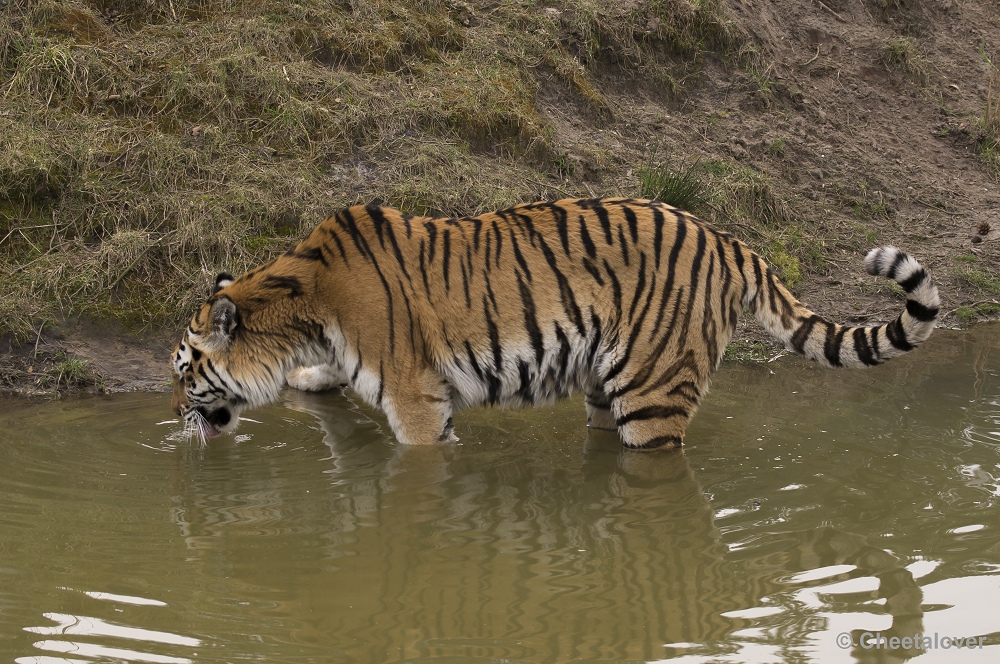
[850, 123]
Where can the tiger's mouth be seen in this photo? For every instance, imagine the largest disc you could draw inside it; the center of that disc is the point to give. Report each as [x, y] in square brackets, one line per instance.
[209, 423]
[209, 431]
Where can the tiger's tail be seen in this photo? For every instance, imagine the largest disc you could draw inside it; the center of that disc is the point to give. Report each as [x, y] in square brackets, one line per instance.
[810, 335]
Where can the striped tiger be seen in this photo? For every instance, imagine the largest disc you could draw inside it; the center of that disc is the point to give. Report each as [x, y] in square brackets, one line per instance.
[630, 301]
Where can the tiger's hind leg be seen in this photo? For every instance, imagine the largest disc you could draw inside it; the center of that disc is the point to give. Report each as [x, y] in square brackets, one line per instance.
[653, 413]
[419, 409]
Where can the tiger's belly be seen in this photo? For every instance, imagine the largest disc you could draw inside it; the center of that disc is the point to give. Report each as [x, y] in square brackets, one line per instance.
[518, 377]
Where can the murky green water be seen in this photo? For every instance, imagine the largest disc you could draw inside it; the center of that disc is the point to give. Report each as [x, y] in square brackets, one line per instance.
[809, 505]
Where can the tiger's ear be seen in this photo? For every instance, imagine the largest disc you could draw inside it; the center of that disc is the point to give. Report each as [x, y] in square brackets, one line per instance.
[225, 320]
[221, 281]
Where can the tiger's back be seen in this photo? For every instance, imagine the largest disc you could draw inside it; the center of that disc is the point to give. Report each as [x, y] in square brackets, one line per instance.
[631, 301]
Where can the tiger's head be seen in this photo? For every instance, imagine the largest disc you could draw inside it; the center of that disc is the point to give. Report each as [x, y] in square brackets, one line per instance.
[237, 350]
[205, 394]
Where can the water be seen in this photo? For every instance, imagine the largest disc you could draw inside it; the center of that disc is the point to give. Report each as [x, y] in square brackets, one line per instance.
[810, 506]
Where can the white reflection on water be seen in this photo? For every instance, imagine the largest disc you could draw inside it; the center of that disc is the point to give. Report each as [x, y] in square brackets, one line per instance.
[94, 650]
[68, 624]
[91, 627]
[123, 599]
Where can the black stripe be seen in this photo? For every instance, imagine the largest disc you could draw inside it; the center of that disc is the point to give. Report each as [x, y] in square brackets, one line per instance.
[292, 284]
[758, 276]
[900, 257]
[863, 348]
[489, 291]
[801, 335]
[524, 383]
[686, 360]
[595, 341]
[395, 248]
[658, 236]
[658, 412]
[570, 306]
[378, 220]
[834, 340]
[529, 225]
[594, 272]
[633, 336]
[740, 262]
[211, 367]
[602, 216]
[726, 276]
[432, 230]
[388, 295]
[709, 325]
[423, 268]
[409, 314]
[920, 312]
[465, 287]
[640, 286]
[562, 359]
[486, 253]
[897, 335]
[561, 215]
[477, 226]
[786, 305]
[446, 257]
[496, 229]
[699, 255]
[622, 244]
[658, 442]
[494, 333]
[340, 245]
[911, 282]
[616, 291]
[531, 321]
[675, 253]
[588, 244]
[518, 255]
[313, 254]
[472, 360]
[633, 223]
[346, 221]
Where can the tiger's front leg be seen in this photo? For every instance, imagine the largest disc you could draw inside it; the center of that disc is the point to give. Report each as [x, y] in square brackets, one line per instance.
[419, 409]
[599, 415]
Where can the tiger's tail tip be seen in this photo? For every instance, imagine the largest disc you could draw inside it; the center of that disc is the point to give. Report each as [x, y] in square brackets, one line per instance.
[923, 302]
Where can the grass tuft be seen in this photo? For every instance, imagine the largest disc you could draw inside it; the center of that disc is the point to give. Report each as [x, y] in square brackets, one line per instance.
[989, 142]
[684, 189]
[902, 55]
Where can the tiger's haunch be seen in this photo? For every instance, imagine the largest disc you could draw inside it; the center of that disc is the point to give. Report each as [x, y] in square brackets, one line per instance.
[631, 301]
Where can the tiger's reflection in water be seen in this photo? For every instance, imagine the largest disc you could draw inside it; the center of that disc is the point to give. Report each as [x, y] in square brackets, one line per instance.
[519, 551]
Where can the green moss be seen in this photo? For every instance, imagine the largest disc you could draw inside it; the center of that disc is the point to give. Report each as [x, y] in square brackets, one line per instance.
[786, 264]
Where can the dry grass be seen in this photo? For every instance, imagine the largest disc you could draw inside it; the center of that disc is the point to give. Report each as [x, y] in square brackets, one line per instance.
[902, 55]
[147, 144]
[989, 145]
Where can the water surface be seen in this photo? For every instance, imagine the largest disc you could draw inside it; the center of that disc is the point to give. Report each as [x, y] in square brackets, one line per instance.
[810, 505]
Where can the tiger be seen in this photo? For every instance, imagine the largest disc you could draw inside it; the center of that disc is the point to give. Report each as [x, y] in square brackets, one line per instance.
[630, 301]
